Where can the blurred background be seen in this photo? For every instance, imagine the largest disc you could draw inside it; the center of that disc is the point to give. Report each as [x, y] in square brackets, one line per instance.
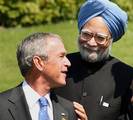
[19, 18]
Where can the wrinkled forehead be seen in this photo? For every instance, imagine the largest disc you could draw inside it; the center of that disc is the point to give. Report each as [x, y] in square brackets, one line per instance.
[97, 25]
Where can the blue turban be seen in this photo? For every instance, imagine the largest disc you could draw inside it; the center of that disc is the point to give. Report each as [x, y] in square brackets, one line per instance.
[114, 16]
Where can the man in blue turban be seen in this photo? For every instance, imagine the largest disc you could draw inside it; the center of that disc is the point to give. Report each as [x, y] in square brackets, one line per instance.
[114, 17]
[96, 79]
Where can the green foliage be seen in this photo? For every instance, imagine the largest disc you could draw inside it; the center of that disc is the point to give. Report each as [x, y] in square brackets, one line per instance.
[9, 38]
[34, 12]
[127, 5]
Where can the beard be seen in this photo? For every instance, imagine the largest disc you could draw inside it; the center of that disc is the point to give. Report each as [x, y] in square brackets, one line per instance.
[94, 55]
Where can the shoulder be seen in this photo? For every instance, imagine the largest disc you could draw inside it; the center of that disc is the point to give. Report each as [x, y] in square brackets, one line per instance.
[122, 73]
[65, 102]
[121, 68]
[5, 94]
[68, 105]
[120, 63]
[12, 91]
[62, 101]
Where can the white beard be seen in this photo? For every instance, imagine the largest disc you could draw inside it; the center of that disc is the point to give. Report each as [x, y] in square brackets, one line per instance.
[91, 55]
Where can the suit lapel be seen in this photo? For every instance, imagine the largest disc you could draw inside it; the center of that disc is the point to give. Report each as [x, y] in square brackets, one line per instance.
[18, 107]
[19, 110]
[58, 110]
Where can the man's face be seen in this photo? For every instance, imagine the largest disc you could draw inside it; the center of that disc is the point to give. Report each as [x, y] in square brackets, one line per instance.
[57, 64]
[95, 40]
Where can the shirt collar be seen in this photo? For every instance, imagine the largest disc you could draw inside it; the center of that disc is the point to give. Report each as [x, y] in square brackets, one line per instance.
[32, 96]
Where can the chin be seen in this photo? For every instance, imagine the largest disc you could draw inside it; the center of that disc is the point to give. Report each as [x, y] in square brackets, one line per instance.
[91, 56]
[61, 82]
[60, 85]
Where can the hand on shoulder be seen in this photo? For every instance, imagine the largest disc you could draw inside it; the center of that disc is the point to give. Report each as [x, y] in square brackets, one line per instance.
[80, 111]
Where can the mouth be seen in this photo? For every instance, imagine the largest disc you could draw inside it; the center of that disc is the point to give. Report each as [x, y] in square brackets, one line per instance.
[92, 49]
[65, 72]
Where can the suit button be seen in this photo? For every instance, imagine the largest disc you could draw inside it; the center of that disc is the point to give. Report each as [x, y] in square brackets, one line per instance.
[84, 94]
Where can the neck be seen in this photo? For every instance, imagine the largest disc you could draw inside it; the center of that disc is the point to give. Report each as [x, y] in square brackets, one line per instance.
[40, 85]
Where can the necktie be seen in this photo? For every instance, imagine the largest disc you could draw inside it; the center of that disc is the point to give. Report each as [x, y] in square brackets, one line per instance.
[43, 114]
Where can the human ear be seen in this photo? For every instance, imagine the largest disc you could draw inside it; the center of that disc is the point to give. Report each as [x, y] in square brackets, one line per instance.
[38, 62]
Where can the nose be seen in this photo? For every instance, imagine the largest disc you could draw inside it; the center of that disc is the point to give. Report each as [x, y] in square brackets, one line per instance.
[67, 62]
[92, 42]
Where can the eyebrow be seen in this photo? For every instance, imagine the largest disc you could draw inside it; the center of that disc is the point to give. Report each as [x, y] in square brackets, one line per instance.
[87, 30]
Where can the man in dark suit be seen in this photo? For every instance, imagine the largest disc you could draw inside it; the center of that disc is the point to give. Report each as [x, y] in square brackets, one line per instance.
[43, 63]
[100, 82]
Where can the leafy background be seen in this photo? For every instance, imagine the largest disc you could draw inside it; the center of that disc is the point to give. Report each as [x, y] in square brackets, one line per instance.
[19, 18]
[35, 12]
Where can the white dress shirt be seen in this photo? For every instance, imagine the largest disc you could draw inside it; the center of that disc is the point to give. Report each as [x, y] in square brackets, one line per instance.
[32, 98]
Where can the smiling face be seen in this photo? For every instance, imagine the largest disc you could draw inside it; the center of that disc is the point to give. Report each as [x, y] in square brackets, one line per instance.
[90, 49]
[57, 64]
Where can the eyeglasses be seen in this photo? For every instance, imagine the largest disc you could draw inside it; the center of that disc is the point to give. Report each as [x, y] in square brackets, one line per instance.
[100, 38]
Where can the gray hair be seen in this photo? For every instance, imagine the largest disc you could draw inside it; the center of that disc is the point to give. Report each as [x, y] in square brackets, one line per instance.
[34, 44]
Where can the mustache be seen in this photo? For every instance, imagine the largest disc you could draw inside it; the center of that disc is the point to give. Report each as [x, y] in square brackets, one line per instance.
[88, 48]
